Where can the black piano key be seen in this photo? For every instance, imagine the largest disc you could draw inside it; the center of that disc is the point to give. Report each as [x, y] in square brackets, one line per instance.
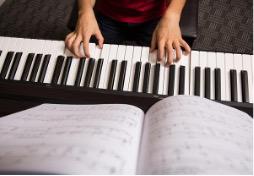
[6, 65]
[245, 86]
[0, 52]
[89, 72]
[80, 71]
[233, 85]
[15, 65]
[112, 74]
[58, 69]
[98, 73]
[197, 81]
[217, 84]
[146, 77]
[136, 77]
[35, 68]
[44, 68]
[207, 83]
[66, 70]
[122, 75]
[182, 80]
[27, 67]
[171, 82]
[156, 79]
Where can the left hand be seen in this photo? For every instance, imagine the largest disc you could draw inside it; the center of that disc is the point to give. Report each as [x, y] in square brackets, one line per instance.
[167, 37]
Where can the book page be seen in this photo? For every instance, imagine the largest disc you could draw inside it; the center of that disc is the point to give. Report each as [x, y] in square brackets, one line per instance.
[71, 139]
[192, 135]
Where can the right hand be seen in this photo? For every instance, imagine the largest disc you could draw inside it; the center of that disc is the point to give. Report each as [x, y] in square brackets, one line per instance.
[85, 28]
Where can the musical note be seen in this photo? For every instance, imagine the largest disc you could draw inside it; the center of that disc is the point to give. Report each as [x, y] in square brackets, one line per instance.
[194, 136]
[74, 139]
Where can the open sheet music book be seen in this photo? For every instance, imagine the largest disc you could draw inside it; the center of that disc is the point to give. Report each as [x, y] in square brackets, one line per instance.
[178, 135]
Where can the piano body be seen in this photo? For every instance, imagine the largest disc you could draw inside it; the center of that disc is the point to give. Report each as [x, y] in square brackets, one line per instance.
[44, 71]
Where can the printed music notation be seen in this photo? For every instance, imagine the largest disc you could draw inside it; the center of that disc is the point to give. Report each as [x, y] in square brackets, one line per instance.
[82, 156]
[71, 112]
[193, 136]
[82, 137]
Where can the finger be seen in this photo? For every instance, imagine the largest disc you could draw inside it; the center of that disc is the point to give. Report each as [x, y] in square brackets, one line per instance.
[69, 36]
[86, 40]
[186, 47]
[161, 50]
[177, 47]
[170, 53]
[153, 43]
[76, 46]
[69, 41]
[100, 39]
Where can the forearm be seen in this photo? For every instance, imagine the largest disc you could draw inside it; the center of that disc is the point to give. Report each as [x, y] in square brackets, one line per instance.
[85, 5]
[174, 9]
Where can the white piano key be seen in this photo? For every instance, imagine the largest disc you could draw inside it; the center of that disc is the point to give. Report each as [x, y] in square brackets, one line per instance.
[112, 56]
[104, 55]
[202, 64]
[194, 62]
[36, 50]
[55, 49]
[39, 69]
[221, 65]
[15, 47]
[144, 59]
[61, 73]
[136, 58]
[153, 61]
[161, 78]
[121, 52]
[211, 63]
[238, 66]
[5, 43]
[248, 66]
[73, 69]
[8, 72]
[36, 47]
[128, 58]
[177, 76]
[14, 43]
[25, 48]
[93, 54]
[96, 56]
[229, 64]
[166, 80]
[120, 57]
[59, 50]
[185, 61]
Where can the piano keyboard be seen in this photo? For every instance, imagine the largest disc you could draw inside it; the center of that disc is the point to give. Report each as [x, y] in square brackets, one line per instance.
[216, 76]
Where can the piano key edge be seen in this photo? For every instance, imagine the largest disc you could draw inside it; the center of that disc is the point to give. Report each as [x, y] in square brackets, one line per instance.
[46, 93]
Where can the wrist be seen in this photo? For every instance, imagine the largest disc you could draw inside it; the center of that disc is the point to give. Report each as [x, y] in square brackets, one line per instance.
[86, 14]
[86, 10]
[172, 16]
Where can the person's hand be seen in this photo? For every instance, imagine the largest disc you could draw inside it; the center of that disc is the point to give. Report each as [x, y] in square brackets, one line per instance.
[85, 28]
[167, 37]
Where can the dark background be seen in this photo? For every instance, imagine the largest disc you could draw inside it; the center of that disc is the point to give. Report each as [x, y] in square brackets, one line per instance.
[224, 25]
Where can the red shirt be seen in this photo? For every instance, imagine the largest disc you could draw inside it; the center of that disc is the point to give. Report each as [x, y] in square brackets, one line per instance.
[131, 11]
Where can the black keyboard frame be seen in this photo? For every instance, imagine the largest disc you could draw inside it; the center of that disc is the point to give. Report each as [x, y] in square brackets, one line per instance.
[47, 93]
